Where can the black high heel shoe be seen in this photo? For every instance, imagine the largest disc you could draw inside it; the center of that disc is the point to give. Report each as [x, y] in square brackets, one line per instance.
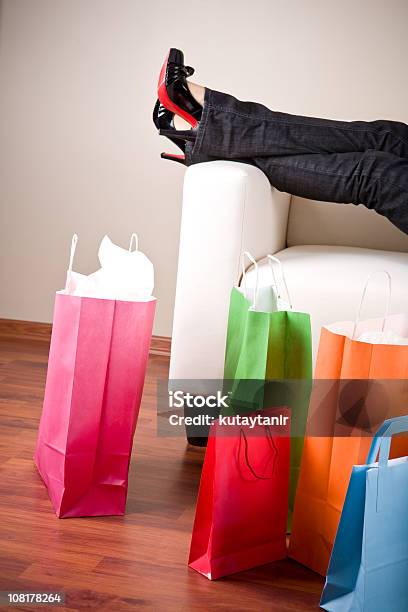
[176, 135]
[173, 90]
[163, 119]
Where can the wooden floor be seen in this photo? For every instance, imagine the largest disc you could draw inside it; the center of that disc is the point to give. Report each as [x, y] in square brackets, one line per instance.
[138, 561]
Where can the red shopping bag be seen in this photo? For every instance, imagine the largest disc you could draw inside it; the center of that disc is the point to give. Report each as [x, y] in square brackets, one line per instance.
[96, 369]
[242, 503]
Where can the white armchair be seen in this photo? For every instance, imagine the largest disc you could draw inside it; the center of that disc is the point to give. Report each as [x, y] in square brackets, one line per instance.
[327, 250]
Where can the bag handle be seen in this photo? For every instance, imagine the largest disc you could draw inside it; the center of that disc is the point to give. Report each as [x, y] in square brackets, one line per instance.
[254, 263]
[271, 259]
[272, 445]
[381, 443]
[134, 239]
[376, 442]
[387, 304]
[396, 426]
[74, 243]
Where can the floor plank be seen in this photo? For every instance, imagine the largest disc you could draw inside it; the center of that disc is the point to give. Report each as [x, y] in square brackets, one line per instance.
[117, 563]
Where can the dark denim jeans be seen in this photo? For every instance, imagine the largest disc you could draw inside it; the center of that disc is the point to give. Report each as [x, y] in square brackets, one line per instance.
[354, 162]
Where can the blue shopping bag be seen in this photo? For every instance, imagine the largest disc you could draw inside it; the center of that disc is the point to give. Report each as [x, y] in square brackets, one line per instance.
[368, 569]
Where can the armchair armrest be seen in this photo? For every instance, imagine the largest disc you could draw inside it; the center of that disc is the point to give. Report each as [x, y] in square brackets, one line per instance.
[228, 207]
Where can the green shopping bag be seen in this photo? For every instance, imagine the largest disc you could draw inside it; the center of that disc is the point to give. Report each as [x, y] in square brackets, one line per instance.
[268, 357]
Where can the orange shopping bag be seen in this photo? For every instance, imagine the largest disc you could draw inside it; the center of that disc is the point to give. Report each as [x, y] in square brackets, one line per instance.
[360, 380]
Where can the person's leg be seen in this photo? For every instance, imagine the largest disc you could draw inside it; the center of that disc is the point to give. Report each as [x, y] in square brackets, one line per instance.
[376, 179]
[231, 129]
[197, 91]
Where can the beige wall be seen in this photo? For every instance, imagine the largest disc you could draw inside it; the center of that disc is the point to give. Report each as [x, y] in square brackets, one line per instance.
[78, 152]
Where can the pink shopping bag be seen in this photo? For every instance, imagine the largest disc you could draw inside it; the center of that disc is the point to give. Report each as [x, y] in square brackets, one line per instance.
[96, 369]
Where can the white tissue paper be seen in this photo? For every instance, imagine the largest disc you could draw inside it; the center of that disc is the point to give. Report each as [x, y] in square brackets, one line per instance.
[124, 274]
[385, 337]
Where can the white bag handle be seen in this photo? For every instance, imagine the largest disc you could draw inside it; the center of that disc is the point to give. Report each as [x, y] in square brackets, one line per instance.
[387, 304]
[273, 258]
[252, 260]
[74, 243]
[134, 238]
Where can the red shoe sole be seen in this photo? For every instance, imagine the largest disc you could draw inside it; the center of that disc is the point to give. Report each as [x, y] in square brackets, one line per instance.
[165, 100]
[173, 157]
